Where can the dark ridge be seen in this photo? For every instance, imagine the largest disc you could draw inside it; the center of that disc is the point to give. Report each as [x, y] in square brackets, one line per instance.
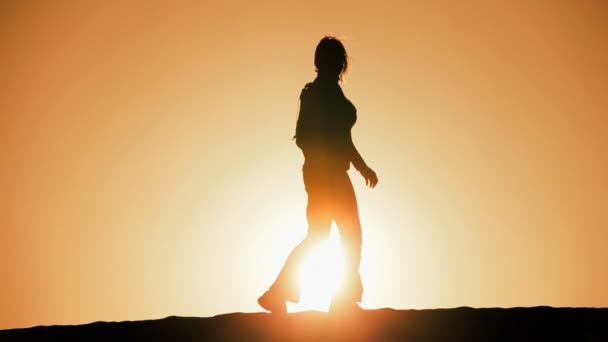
[459, 324]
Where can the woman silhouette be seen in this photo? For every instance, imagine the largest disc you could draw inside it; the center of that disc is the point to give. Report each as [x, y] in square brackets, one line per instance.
[323, 133]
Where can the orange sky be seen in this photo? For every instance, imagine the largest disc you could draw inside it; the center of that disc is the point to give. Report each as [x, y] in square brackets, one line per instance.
[147, 168]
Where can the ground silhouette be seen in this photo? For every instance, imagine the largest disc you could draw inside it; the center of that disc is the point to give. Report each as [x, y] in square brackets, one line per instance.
[459, 324]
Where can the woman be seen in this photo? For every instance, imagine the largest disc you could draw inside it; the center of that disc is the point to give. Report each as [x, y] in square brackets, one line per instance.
[323, 133]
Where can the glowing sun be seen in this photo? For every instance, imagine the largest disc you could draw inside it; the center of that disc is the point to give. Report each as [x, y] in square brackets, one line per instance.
[320, 275]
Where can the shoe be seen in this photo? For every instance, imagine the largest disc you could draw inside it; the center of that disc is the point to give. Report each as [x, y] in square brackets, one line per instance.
[271, 302]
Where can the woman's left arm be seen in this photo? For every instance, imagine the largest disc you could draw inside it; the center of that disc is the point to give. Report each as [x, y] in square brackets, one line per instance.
[355, 157]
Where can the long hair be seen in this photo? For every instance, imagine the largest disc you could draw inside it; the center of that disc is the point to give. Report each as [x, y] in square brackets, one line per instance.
[331, 58]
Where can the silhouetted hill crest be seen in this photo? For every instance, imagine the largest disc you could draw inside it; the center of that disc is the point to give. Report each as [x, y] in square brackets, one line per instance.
[458, 324]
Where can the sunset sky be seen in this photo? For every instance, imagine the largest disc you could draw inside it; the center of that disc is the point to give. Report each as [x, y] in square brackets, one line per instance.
[147, 167]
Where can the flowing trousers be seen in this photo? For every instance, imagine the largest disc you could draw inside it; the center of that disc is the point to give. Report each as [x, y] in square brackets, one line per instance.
[331, 197]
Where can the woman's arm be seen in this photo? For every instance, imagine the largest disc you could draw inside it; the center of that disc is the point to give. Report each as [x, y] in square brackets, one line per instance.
[355, 157]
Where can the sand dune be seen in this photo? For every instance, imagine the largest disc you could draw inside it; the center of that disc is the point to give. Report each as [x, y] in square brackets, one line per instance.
[459, 324]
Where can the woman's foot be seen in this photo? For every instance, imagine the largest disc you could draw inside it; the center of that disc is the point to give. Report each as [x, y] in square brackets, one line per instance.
[273, 303]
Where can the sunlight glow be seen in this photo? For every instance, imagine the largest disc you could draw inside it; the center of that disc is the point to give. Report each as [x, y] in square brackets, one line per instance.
[320, 275]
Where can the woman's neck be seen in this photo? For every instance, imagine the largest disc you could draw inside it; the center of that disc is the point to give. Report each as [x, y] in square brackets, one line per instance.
[325, 78]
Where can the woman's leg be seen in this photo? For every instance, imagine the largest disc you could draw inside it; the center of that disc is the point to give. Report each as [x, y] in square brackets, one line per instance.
[349, 226]
[318, 214]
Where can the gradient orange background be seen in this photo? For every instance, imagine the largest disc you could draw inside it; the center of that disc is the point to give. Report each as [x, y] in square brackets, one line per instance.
[147, 167]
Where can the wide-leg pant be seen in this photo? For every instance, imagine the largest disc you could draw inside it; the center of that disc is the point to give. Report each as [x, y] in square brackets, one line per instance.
[331, 197]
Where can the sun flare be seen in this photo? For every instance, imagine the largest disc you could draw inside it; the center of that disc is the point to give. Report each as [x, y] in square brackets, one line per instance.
[320, 275]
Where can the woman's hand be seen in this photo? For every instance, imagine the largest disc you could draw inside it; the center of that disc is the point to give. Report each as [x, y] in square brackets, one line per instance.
[370, 177]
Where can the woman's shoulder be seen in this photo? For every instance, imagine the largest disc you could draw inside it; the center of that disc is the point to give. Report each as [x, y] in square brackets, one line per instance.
[307, 90]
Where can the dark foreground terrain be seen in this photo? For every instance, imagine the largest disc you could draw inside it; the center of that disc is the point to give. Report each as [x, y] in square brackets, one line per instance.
[460, 324]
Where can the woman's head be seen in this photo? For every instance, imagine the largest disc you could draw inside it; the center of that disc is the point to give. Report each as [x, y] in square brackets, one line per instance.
[331, 58]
